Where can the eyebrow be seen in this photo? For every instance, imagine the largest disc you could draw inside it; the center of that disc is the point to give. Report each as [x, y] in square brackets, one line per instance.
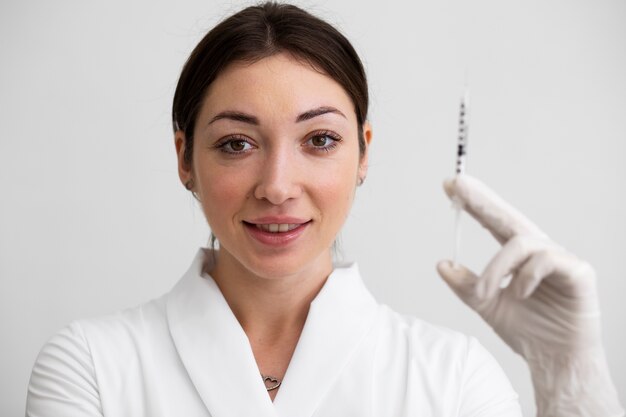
[307, 115]
[250, 119]
[236, 116]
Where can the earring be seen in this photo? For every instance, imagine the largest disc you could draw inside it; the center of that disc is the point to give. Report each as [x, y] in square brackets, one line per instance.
[189, 184]
[360, 181]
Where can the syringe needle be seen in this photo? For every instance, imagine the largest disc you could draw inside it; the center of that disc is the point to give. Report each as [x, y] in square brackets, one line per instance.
[457, 234]
[460, 170]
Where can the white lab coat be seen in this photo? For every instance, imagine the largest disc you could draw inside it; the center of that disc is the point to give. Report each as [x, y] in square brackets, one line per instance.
[185, 354]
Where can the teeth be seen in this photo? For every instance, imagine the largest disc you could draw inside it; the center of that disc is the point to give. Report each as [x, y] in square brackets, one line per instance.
[276, 228]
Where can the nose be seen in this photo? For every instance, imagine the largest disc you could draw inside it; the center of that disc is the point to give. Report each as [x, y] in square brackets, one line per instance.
[279, 177]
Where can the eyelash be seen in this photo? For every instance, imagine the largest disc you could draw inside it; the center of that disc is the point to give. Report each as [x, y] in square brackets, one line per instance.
[335, 139]
[226, 142]
[222, 144]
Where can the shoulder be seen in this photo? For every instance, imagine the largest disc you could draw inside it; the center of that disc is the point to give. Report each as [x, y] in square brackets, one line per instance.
[438, 359]
[432, 345]
[82, 337]
[118, 344]
[124, 324]
[68, 372]
[421, 337]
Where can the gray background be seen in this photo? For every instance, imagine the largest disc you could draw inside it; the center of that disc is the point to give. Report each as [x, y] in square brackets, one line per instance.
[93, 218]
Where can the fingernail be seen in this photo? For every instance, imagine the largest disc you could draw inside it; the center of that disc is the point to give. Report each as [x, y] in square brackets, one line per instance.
[443, 266]
[447, 270]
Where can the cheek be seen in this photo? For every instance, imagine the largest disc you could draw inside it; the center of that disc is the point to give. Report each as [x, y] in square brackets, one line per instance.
[335, 190]
[221, 195]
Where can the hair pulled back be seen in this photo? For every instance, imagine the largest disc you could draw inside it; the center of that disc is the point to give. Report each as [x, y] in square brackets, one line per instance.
[258, 32]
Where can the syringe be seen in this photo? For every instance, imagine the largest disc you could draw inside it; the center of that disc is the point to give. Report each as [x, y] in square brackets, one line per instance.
[460, 170]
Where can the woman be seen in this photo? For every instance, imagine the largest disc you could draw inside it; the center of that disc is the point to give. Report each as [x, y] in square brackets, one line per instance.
[272, 138]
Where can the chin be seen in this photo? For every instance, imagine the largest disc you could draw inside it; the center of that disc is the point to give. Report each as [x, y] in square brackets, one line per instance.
[283, 264]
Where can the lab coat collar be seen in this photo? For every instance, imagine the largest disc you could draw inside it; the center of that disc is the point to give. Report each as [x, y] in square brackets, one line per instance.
[218, 357]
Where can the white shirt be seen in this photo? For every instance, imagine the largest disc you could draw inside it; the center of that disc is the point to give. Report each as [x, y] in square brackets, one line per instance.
[185, 354]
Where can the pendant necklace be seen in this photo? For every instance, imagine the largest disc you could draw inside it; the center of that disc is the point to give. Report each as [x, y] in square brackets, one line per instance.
[271, 382]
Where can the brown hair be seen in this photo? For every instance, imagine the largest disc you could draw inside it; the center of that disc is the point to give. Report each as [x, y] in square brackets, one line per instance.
[255, 33]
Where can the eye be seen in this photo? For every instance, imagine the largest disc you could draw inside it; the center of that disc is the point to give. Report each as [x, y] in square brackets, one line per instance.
[234, 145]
[323, 141]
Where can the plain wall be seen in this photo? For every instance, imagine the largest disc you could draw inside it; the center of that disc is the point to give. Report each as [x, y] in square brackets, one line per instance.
[93, 217]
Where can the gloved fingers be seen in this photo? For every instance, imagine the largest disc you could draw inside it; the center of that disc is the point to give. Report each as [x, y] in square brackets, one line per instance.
[515, 252]
[572, 277]
[463, 282]
[538, 266]
[489, 209]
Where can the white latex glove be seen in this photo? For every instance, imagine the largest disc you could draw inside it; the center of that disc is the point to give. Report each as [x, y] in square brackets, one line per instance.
[549, 312]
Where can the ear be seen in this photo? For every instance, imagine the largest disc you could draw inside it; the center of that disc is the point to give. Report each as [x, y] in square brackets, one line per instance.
[184, 169]
[367, 135]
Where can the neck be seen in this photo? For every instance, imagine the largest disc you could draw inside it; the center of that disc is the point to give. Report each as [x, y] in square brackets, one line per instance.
[271, 310]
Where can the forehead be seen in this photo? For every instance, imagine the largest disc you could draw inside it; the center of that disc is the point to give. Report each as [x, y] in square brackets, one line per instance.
[277, 85]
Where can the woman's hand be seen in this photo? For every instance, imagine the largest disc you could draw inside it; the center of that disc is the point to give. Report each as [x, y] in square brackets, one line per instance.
[549, 311]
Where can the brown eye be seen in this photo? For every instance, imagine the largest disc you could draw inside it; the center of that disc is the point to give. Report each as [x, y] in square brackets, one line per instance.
[320, 141]
[235, 146]
[323, 141]
[238, 145]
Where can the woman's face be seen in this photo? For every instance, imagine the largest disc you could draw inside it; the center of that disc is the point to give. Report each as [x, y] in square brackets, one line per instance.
[275, 164]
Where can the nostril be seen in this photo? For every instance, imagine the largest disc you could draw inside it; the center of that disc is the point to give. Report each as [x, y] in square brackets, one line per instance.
[277, 193]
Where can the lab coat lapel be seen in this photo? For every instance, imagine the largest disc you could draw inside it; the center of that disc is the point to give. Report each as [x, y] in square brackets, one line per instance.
[338, 320]
[213, 347]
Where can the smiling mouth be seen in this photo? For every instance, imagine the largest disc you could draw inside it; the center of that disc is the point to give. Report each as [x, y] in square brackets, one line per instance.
[276, 227]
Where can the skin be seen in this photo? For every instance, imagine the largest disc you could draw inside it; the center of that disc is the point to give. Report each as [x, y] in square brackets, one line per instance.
[281, 167]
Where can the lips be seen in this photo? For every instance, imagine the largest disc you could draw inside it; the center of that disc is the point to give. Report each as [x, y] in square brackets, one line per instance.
[276, 231]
